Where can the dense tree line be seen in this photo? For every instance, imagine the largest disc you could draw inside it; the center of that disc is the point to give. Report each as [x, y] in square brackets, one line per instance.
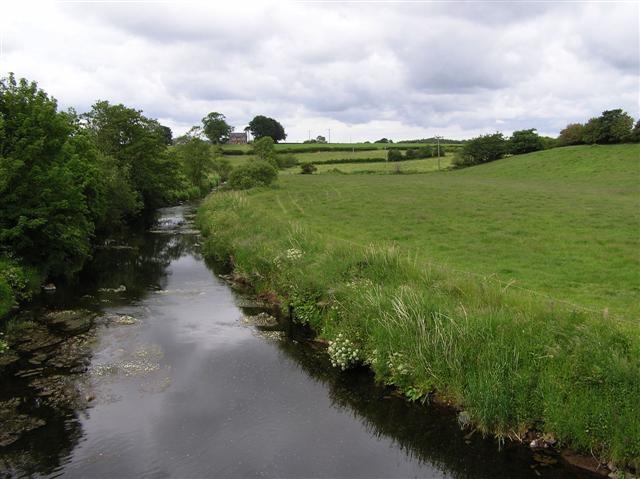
[613, 126]
[67, 180]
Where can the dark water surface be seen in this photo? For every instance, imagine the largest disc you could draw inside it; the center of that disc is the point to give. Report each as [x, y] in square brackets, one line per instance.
[172, 382]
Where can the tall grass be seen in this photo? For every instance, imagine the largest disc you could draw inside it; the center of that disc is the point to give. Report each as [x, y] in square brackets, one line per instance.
[512, 360]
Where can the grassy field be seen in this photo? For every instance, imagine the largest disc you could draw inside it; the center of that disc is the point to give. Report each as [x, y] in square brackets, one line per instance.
[427, 279]
[564, 222]
[354, 147]
[405, 167]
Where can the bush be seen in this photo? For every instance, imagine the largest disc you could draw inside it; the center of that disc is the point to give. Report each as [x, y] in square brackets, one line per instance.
[412, 154]
[482, 149]
[394, 155]
[525, 141]
[427, 151]
[286, 161]
[308, 168]
[254, 173]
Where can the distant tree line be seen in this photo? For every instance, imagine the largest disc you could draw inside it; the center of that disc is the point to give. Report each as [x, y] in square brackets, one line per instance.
[613, 126]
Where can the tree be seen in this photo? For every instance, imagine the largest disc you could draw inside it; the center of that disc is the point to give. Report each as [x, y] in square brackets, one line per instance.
[138, 149]
[635, 134]
[591, 131]
[264, 150]
[195, 156]
[572, 134]
[216, 128]
[262, 126]
[525, 141]
[613, 126]
[167, 134]
[383, 140]
[482, 149]
[394, 155]
[320, 139]
[43, 210]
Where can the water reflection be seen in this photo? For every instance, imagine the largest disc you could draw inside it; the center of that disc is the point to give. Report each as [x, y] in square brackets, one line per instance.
[171, 383]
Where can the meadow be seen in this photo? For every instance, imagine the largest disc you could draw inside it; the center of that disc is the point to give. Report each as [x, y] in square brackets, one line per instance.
[511, 289]
[383, 167]
[333, 147]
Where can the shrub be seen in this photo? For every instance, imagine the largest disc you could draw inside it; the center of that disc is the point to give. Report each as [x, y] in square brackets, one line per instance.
[286, 161]
[427, 151]
[254, 173]
[308, 168]
[525, 141]
[394, 155]
[572, 134]
[482, 149]
[412, 154]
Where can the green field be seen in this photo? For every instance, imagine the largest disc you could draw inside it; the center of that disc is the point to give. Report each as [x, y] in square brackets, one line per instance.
[512, 288]
[345, 147]
[405, 167]
[564, 222]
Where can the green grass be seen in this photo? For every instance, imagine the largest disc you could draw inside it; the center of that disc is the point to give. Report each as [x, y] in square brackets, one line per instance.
[322, 156]
[525, 220]
[302, 147]
[405, 167]
[428, 276]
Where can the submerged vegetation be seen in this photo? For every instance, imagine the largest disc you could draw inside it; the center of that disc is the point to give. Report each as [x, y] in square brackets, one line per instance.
[364, 278]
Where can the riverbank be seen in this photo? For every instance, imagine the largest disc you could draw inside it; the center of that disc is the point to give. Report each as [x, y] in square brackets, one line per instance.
[513, 362]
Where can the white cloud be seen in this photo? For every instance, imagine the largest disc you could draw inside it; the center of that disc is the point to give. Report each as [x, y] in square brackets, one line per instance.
[363, 70]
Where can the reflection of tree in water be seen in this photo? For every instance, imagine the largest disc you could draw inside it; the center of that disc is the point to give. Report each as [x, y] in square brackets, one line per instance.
[137, 259]
[53, 389]
[429, 434]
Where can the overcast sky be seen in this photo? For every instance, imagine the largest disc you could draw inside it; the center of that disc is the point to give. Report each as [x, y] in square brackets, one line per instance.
[364, 70]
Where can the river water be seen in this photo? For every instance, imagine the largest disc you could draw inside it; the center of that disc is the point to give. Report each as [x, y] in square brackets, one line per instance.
[172, 380]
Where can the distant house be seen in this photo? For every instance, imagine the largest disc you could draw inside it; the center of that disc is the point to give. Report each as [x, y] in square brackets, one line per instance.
[238, 138]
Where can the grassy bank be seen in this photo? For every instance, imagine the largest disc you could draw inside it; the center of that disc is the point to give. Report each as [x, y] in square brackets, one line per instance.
[354, 254]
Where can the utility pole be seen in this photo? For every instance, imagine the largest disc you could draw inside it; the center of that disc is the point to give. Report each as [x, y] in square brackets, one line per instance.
[438, 139]
[309, 135]
[329, 136]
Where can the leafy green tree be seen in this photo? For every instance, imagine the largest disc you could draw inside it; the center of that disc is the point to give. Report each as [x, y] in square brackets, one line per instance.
[525, 141]
[264, 150]
[394, 155]
[167, 134]
[263, 126]
[591, 131]
[197, 160]
[482, 149]
[613, 126]
[44, 217]
[426, 151]
[216, 128]
[635, 134]
[572, 134]
[137, 144]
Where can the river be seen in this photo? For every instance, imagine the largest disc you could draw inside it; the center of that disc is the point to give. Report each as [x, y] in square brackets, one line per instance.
[174, 377]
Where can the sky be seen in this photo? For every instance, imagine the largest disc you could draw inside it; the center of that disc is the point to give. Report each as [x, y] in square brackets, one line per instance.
[363, 70]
